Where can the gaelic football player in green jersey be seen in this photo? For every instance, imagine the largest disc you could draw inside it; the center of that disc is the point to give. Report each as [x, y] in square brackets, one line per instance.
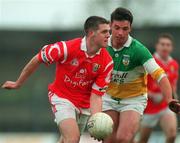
[126, 97]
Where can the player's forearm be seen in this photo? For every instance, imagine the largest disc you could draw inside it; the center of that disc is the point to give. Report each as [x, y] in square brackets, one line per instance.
[174, 92]
[95, 103]
[166, 88]
[28, 70]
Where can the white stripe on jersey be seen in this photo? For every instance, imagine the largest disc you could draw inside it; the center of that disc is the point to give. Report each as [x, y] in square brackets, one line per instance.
[108, 77]
[98, 88]
[43, 55]
[65, 51]
[55, 46]
[161, 76]
[110, 63]
[151, 66]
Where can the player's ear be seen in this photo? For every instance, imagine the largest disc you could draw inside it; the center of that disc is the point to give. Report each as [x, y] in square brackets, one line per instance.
[91, 32]
[130, 28]
[110, 24]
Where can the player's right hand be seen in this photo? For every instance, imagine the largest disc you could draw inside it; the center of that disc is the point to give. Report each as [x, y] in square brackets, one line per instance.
[10, 85]
[174, 106]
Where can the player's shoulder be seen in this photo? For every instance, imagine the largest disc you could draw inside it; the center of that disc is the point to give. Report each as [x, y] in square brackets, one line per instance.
[136, 44]
[73, 42]
[140, 50]
[105, 55]
[174, 62]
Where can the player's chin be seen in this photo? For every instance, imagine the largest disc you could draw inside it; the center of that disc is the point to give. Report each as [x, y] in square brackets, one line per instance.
[104, 44]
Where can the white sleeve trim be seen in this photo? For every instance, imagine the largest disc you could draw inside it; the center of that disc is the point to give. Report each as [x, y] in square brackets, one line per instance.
[43, 55]
[55, 46]
[96, 87]
[65, 51]
[161, 76]
[110, 63]
[151, 66]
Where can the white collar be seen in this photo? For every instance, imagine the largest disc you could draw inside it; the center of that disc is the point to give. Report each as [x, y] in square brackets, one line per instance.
[127, 44]
[158, 57]
[84, 47]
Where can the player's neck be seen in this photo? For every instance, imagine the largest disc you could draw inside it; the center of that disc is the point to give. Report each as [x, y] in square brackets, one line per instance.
[117, 44]
[164, 58]
[92, 49]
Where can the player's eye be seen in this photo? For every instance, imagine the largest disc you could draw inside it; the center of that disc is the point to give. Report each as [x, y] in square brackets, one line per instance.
[105, 31]
[125, 28]
[116, 28]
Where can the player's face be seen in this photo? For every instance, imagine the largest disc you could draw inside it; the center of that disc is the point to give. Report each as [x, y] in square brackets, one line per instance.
[120, 31]
[164, 47]
[101, 35]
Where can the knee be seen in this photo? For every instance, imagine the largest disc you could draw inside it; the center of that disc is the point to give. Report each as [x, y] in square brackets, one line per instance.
[73, 139]
[171, 136]
[143, 139]
[124, 138]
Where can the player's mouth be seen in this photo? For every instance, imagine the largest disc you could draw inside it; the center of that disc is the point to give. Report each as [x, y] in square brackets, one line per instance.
[106, 40]
[120, 38]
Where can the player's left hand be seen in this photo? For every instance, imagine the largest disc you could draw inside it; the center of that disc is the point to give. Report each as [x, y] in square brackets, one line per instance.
[174, 106]
[10, 85]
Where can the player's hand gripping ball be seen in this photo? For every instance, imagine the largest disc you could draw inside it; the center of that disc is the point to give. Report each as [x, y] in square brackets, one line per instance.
[100, 126]
[175, 106]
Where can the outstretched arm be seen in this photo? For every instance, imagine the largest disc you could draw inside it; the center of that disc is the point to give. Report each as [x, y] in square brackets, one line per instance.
[26, 72]
[166, 89]
[158, 74]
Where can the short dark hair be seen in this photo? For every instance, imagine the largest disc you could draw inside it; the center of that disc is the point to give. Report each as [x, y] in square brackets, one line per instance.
[167, 36]
[121, 14]
[93, 22]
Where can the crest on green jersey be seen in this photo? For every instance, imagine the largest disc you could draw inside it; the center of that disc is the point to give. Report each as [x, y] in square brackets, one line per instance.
[126, 60]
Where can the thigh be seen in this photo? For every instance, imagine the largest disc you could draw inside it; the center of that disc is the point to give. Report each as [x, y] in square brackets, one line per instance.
[109, 104]
[82, 122]
[150, 120]
[168, 122]
[115, 117]
[137, 104]
[144, 134]
[69, 129]
[128, 124]
[62, 108]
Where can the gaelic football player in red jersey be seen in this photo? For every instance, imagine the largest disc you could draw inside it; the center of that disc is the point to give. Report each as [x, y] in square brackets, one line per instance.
[157, 110]
[83, 70]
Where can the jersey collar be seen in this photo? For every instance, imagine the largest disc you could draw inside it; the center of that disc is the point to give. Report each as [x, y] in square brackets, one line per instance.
[127, 44]
[156, 55]
[84, 48]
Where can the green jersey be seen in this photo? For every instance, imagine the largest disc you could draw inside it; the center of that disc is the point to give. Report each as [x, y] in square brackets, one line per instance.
[129, 77]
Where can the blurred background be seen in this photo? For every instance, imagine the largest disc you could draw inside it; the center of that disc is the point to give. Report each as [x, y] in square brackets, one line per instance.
[27, 25]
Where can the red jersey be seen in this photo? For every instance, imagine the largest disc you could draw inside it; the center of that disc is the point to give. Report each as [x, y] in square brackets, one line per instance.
[171, 68]
[77, 74]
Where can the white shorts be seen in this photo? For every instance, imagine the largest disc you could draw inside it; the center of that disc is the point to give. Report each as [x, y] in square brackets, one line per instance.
[151, 120]
[137, 104]
[64, 109]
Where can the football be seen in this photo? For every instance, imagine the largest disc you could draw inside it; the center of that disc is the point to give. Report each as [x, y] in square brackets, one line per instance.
[100, 125]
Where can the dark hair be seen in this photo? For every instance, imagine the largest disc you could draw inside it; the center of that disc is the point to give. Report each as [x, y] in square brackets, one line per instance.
[93, 22]
[165, 35]
[121, 14]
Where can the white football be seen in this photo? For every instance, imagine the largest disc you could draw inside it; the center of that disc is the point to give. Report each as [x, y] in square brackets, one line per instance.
[100, 125]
